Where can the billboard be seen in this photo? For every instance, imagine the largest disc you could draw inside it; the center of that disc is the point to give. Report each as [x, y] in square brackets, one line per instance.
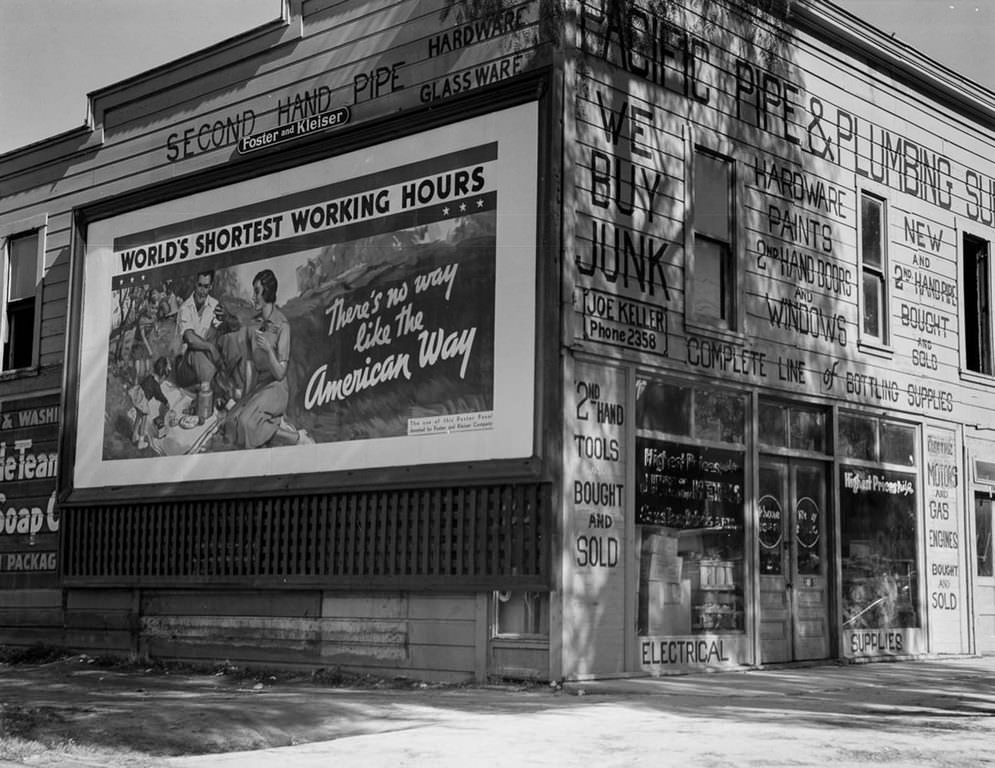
[370, 310]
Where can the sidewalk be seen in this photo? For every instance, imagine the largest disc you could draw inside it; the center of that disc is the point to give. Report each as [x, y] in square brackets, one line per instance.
[928, 713]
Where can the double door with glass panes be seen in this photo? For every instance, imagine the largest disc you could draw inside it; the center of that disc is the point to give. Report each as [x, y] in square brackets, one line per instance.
[793, 560]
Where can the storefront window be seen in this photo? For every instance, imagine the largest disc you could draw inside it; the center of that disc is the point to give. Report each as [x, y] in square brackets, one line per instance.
[689, 506]
[663, 408]
[792, 426]
[773, 420]
[898, 443]
[983, 507]
[808, 429]
[719, 416]
[878, 527]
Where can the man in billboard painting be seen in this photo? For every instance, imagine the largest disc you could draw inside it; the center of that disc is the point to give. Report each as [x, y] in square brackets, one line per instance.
[258, 418]
[208, 345]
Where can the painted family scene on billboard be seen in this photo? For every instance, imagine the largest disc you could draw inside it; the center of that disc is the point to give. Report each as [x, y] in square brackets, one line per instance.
[370, 309]
[387, 333]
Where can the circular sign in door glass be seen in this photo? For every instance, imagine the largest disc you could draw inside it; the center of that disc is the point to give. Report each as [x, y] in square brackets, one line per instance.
[770, 522]
[807, 523]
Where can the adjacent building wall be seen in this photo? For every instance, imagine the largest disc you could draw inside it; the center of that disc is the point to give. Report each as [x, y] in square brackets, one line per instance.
[805, 126]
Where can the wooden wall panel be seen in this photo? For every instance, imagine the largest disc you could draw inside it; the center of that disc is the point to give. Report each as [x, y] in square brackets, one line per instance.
[41, 599]
[984, 601]
[394, 634]
[31, 633]
[205, 653]
[519, 661]
[200, 602]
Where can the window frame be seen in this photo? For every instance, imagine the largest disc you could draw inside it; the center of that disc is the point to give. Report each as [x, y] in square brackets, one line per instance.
[882, 342]
[733, 324]
[36, 225]
[988, 546]
[974, 319]
[543, 604]
[915, 470]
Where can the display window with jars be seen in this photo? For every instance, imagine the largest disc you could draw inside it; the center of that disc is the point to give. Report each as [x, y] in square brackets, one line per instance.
[878, 534]
[689, 509]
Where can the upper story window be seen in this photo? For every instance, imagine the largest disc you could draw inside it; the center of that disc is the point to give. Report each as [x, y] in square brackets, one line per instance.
[873, 269]
[21, 278]
[976, 278]
[712, 278]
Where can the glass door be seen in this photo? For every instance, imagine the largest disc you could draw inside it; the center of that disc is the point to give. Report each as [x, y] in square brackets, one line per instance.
[793, 560]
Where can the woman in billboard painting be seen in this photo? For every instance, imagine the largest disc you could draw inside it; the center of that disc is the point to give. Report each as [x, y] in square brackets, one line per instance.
[257, 419]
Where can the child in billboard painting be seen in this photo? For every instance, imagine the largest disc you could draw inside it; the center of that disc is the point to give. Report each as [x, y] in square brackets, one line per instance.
[144, 395]
[169, 303]
[258, 418]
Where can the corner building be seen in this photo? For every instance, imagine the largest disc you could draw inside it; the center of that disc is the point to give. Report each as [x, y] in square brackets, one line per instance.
[567, 340]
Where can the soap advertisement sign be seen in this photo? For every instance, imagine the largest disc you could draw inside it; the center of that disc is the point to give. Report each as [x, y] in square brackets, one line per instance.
[29, 517]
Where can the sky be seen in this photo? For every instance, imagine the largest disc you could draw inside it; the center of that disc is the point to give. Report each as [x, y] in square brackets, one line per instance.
[54, 52]
[957, 34]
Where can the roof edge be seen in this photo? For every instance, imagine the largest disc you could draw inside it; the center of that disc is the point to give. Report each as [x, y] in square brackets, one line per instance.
[895, 57]
[90, 133]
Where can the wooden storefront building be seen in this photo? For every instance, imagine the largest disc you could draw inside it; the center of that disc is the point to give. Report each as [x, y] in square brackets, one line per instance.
[546, 339]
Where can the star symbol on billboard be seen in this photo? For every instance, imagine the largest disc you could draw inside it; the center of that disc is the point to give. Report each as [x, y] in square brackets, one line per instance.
[480, 203]
[462, 207]
[445, 210]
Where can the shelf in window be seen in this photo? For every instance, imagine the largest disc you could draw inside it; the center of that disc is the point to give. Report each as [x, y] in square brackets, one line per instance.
[716, 529]
[718, 588]
[714, 610]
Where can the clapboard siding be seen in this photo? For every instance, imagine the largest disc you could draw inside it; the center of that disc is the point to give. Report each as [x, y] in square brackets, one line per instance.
[32, 634]
[99, 599]
[231, 603]
[36, 618]
[26, 617]
[39, 599]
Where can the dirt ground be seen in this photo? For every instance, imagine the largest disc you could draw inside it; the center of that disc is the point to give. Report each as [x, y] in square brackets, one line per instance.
[67, 710]
[80, 712]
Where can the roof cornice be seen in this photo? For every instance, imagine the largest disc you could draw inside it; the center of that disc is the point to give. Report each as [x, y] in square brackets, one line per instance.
[886, 53]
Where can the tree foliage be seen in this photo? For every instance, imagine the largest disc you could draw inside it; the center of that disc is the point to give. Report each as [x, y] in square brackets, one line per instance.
[768, 37]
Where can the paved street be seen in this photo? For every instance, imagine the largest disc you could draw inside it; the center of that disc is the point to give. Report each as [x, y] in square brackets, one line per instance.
[933, 713]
